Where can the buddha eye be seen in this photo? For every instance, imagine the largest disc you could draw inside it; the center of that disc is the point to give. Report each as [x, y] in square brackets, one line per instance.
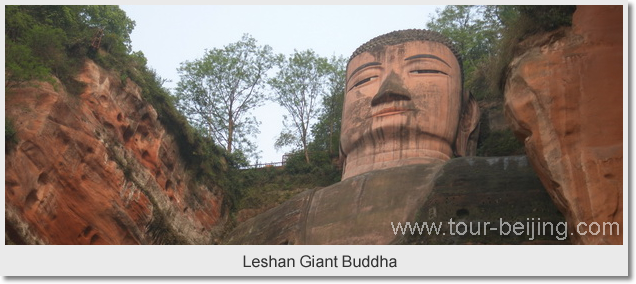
[364, 81]
[427, 71]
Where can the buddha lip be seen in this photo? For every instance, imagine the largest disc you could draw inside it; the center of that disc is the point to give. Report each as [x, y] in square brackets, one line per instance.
[390, 111]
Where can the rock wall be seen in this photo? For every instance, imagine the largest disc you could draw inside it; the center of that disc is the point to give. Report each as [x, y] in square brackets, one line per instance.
[360, 210]
[564, 98]
[486, 197]
[100, 169]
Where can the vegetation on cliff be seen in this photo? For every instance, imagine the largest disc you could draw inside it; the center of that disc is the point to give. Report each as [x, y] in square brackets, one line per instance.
[47, 42]
[218, 91]
[487, 37]
[43, 42]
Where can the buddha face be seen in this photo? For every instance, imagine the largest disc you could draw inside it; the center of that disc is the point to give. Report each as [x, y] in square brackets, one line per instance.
[402, 102]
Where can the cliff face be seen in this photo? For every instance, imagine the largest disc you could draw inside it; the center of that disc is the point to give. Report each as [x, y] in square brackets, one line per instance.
[100, 169]
[564, 97]
[366, 209]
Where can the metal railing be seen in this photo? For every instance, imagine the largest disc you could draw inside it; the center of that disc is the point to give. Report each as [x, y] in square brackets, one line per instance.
[268, 165]
[265, 165]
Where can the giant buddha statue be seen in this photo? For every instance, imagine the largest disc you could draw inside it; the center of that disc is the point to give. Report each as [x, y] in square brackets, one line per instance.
[405, 116]
[404, 104]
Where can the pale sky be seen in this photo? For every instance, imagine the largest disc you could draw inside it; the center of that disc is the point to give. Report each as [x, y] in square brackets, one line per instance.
[169, 35]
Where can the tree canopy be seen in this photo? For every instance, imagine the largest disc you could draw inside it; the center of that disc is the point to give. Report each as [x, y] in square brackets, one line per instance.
[298, 87]
[487, 37]
[486, 34]
[42, 42]
[326, 131]
[48, 40]
[474, 30]
[217, 91]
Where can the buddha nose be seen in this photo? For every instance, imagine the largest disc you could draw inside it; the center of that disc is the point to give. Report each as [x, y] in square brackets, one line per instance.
[392, 89]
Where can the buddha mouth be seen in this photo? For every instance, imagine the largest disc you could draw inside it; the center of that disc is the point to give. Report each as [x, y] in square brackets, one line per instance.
[390, 111]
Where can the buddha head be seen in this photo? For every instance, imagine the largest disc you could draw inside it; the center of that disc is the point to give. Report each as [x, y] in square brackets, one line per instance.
[404, 104]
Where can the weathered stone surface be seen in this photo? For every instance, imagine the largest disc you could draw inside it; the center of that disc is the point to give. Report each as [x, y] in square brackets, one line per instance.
[99, 169]
[485, 197]
[280, 225]
[359, 210]
[404, 104]
[564, 97]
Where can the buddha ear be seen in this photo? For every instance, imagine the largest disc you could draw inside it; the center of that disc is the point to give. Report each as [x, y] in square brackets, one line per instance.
[468, 129]
[342, 158]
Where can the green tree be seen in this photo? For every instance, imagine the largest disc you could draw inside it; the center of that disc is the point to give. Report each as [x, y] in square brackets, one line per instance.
[474, 30]
[298, 86]
[326, 131]
[21, 66]
[486, 35]
[27, 48]
[218, 91]
[114, 22]
[487, 38]
[51, 40]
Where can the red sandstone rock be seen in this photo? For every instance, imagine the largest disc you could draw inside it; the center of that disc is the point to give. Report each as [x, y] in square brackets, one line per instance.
[404, 104]
[564, 96]
[99, 169]
[360, 210]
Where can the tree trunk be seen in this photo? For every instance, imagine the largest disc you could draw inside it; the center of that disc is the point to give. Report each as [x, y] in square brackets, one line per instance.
[306, 154]
[230, 134]
[330, 136]
[304, 139]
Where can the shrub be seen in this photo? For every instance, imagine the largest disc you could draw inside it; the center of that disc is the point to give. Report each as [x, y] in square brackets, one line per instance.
[501, 143]
[527, 20]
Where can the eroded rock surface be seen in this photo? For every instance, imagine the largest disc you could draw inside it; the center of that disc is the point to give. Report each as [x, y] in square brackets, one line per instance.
[564, 97]
[100, 169]
[360, 209]
[404, 104]
[485, 198]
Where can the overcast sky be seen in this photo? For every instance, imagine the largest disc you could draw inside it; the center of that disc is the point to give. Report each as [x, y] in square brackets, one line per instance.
[169, 35]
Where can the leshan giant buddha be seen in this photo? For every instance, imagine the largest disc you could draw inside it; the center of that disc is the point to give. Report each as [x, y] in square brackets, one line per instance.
[405, 114]
[404, 104]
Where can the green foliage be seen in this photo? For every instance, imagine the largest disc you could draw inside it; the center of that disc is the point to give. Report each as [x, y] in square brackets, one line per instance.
[298, 173]
[520, 23]
[21, 66]
[299, 85]
[501, 143]
[41, 41]
[326, 131]
[473, 29]
[218, 91]
[47, 44]
[547, 18]
[206, 160]
[113, 20]
[322, 167]
[488, 37]
[161, 231]
[265, 187]
[270, 186]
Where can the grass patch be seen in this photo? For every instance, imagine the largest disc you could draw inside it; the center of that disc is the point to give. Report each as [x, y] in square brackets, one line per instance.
[270, 186]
